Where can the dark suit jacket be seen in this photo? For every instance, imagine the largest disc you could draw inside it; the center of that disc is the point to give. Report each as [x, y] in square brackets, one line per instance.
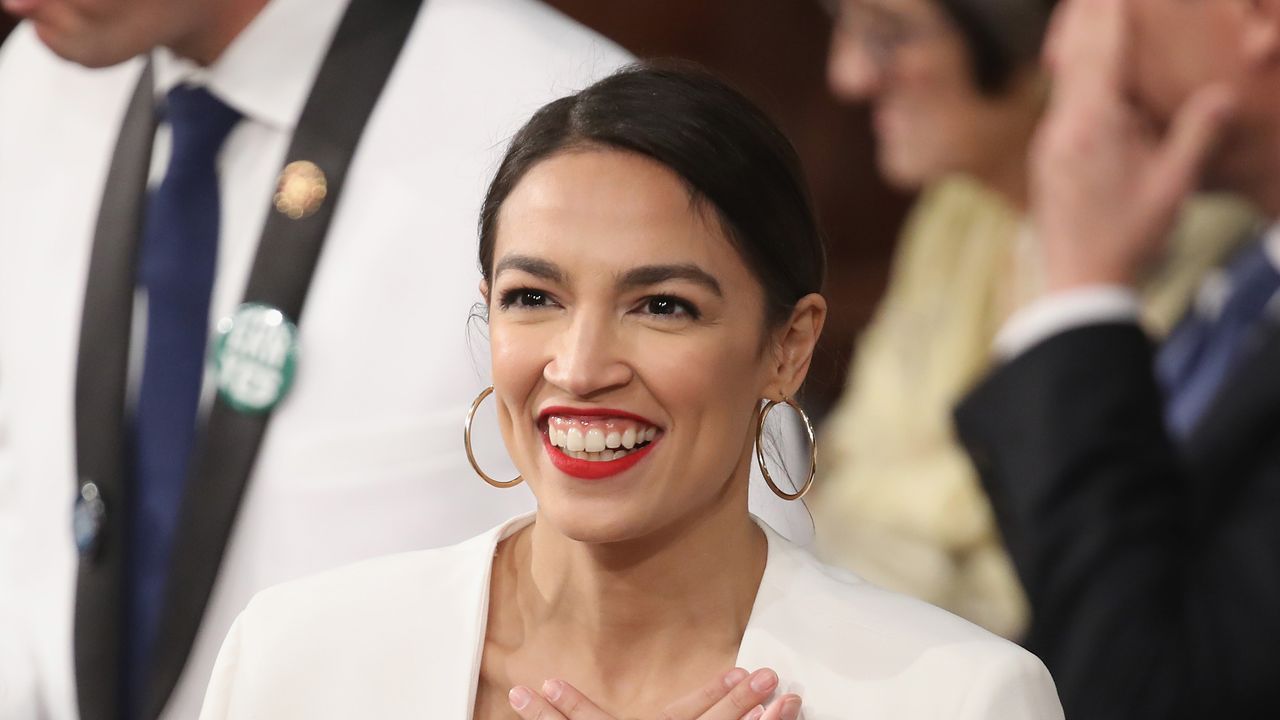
[1153, 570]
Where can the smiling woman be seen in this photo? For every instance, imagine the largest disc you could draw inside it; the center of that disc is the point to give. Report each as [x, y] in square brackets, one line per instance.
[651, 270]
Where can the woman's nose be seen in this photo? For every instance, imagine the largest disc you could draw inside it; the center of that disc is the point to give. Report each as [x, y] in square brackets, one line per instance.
[588, 359]
[853, 74]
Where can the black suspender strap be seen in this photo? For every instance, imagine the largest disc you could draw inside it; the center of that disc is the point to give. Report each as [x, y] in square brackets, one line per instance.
[101, 379]
[352, 76]
[351, 79]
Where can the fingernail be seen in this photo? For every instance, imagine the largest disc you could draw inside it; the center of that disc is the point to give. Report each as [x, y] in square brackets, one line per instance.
[755, 713]
[551, 690]
[764, 680]
[734, 676]
[791, 709]
[519, 697]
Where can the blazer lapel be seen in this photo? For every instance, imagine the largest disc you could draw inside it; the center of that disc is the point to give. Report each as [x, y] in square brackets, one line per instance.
[101, 379]
[766, 641]
[457, 680]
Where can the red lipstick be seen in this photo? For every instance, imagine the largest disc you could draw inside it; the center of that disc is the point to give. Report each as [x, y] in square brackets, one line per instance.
[592, 470]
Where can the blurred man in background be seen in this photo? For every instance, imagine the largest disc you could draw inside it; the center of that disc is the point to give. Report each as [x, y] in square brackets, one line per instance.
[1139, 489]
[957, 90]
[190, 186]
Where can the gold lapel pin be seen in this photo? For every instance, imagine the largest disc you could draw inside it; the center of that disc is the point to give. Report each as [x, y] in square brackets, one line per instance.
[301, 189]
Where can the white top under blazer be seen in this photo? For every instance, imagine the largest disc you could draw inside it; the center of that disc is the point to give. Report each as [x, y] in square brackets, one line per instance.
[402, 636]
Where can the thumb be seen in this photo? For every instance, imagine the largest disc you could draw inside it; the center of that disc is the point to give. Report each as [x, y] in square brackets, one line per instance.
[1192, 135]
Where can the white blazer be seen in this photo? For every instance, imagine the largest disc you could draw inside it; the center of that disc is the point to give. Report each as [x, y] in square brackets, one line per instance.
[402, 637]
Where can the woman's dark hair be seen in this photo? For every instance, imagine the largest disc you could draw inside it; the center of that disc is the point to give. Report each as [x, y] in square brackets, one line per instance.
[1002, 36]
[724, 148]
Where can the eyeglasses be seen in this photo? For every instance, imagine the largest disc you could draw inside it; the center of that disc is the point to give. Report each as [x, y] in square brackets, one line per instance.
[881, 31]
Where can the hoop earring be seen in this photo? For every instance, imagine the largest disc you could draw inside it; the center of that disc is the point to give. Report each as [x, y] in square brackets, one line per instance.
[813, 449]
[471, 456]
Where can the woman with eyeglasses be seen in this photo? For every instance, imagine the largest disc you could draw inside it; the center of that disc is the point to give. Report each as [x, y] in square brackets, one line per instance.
[956, 92]
[651, 274]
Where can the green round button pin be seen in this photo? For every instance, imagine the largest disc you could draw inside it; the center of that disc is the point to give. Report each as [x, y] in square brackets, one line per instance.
[255, 355]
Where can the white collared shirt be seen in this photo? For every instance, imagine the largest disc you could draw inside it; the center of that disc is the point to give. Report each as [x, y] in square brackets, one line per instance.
[1060, 312]
[290, 38]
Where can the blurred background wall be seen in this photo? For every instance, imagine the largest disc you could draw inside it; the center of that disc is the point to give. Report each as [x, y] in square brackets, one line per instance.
[775, 51]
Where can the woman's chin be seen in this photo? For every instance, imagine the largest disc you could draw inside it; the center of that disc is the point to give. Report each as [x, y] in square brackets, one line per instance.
[904, 173]
[594, 520]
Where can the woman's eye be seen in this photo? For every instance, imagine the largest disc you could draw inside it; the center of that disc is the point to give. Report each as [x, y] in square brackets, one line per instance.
[525, 298]
[669, 306]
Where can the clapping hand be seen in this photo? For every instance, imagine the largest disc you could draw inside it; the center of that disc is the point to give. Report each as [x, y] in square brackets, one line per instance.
[737, 695]
[1107, 181]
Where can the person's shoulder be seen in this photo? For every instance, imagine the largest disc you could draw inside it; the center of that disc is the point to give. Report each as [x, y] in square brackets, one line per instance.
[382, 633]
[527, 21]
[370, 591]
[473, 71]
[382, 607]
[867, 609]
[861, 632]
[958, 199]
[525, 37]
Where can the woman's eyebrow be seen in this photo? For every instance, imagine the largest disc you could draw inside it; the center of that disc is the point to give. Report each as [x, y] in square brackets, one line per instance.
[534, 266]
[653, 274]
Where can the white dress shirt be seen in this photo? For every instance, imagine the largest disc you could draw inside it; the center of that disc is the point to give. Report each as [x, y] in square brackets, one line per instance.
[290, 37]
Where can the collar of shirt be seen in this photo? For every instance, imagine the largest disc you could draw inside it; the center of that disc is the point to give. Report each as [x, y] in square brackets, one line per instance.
[1273, 245]
[267, 71]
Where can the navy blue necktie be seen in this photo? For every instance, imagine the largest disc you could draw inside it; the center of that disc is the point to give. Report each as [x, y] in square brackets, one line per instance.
[1212, 341]
[177, 259]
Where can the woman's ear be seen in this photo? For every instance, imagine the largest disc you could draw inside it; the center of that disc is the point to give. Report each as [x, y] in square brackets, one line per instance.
[793, 346]
[484, 291]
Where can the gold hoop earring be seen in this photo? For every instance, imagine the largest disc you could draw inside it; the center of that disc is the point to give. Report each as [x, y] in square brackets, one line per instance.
[471, 456]
[813, 449]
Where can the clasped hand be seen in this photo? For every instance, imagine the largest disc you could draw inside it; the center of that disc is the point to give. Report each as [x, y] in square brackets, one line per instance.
[737, 695]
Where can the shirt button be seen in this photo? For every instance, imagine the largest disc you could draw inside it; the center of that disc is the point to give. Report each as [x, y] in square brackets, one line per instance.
[88, 519]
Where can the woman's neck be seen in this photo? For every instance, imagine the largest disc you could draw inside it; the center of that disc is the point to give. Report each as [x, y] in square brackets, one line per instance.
[624, 608]
[1004, 168]
[1007, 176]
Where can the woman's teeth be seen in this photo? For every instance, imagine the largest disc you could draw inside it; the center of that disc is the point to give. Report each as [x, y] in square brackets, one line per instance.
[598, 442]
